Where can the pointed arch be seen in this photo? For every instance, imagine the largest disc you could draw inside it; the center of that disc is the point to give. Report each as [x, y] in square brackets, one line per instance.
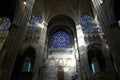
[24, 64]
[29, 59]
[96, 60]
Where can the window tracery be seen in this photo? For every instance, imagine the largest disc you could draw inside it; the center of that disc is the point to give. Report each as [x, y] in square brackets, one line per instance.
[5, 24]
[61, 39]
[91, 30]
[34, 30]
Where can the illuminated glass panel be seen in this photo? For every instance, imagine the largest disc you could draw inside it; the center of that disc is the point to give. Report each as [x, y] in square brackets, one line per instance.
[88, 24]
[36, 21]
[93, 67]
[29, 66]
[5, 24]
[90, 29]
[61, 39]
[34, 30]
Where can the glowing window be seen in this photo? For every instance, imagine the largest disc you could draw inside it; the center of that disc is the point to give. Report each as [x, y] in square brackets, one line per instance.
[34, 29]
[29, 66]
[36, 21]
[93, 67]
[88, 24]
[5, 24]
[61, 39]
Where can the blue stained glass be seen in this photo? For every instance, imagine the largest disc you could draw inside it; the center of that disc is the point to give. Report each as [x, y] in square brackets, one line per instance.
[61, 39]
[6, 23]
[36, 21]
[88, 24]
[34, 28]
[116, 69]
[93, 68]
[29, 66]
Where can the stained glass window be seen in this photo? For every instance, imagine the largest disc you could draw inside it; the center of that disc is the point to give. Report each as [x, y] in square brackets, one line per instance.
[36, 21]
[88, 24]
[5, 24]
[34, 30]
[61, 39]
[29, 66]
[91, 29]
[93, 67]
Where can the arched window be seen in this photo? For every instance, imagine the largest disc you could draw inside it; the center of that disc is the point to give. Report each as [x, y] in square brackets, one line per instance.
[88, 24]
[91, 29]
[36, 21]
[24, 64]
[61, 39]
[34, 29]
[27, 65]
[96, 60]
[28, 60]
[5, 24]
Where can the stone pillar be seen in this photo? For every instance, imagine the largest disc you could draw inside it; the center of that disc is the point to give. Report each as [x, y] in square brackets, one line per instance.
[82, 52]
[40, 55]
[110, 29]
[14, 41]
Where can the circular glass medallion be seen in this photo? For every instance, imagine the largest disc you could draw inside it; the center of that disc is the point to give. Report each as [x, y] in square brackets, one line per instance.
[61, 39]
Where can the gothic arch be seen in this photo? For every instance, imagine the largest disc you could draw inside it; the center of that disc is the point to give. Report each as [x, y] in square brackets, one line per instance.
[25, 47]
[5, 25]
[97, 45]
[61, 20]
[29, 58]
[58, 18]
[24, 64]
[96, 59]
[63, 23]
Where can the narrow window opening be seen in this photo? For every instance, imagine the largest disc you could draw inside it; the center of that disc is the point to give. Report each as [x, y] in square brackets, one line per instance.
[29, 66]
[93, 68]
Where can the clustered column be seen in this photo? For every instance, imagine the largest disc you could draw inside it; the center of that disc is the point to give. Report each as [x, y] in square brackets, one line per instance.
[14, 41]
[111, 31]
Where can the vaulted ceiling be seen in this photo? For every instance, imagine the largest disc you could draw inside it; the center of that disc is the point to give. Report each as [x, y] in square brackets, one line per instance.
[51, 8]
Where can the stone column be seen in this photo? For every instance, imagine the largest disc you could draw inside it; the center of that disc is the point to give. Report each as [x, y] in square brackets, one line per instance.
[110, 29]
[82, 52]
[40, 55]
[14, 41]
